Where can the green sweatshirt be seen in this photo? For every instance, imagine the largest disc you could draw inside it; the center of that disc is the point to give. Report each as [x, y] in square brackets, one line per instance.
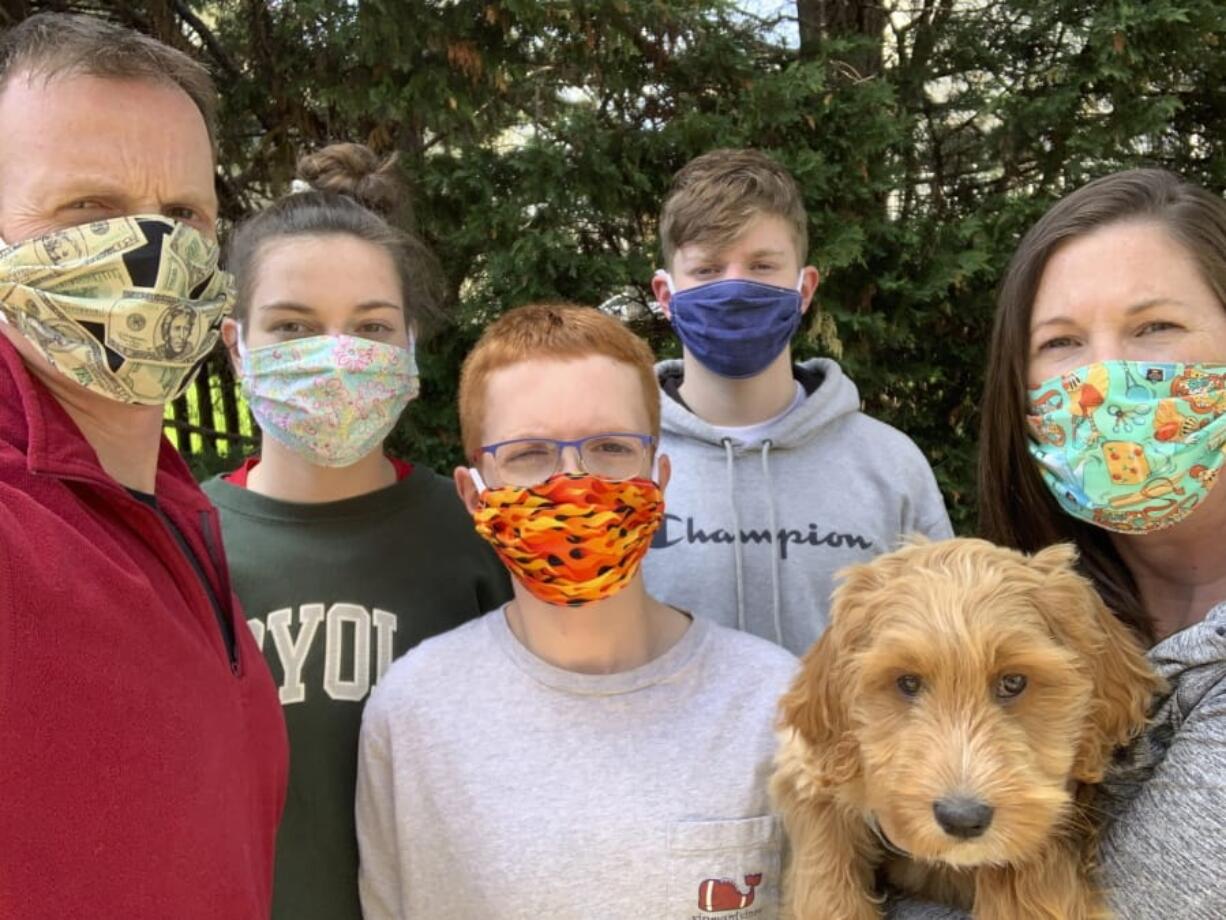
[333, 593]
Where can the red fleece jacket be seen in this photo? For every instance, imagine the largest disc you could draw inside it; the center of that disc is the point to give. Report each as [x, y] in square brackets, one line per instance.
[142, 771]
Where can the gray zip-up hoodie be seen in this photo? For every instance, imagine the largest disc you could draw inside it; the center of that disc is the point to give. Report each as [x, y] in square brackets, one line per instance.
[1165, 805]
[753, 533]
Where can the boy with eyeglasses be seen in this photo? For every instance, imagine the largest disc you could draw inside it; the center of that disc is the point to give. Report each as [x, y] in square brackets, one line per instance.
[784, 480]
[585, 750]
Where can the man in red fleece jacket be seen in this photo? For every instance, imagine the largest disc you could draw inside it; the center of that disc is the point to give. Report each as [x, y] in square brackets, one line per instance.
[142, 748]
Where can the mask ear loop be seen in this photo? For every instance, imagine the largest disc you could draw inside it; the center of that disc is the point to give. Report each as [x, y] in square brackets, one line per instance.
[668, 279]
[478, 482]
[239, 342]
[4, 319]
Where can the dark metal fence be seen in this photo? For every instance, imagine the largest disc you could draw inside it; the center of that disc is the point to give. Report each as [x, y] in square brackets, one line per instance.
[210, 421]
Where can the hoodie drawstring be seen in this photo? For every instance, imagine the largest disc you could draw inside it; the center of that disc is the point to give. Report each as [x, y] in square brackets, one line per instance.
[736, 536]
[776, 607]
[774, 536]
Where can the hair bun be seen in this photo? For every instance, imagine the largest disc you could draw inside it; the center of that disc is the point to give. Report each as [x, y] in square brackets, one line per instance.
[356, 171]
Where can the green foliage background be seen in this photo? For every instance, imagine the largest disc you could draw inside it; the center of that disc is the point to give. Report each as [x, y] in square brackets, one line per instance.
[539, 138]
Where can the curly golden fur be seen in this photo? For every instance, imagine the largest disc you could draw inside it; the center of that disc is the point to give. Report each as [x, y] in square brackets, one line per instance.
[947, 732]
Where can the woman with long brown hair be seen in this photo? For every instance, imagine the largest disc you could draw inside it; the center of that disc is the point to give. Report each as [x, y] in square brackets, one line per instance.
[1104, 425]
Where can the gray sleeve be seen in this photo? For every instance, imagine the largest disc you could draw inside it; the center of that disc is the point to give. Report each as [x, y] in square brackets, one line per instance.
[909, 909]
[927, 512]
[375, 811]
[939, 527]
[1162, 856]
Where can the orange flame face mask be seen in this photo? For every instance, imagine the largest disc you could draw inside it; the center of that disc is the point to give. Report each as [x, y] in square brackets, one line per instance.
[573, 539]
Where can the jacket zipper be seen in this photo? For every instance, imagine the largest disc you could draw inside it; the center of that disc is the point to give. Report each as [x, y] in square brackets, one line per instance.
[208, 527]
[228, 640]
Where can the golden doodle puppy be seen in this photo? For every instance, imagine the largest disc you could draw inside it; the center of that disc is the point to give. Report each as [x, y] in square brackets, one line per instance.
[947, 731]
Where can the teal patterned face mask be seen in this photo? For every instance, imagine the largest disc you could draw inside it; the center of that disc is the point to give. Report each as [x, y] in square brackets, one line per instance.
[1131, 446]
[331, 399]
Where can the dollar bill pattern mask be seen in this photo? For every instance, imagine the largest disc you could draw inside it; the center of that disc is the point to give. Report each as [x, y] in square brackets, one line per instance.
[1130, 446]
[128, 308]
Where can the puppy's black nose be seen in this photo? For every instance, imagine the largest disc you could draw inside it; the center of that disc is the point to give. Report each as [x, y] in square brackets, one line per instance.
[962, 816]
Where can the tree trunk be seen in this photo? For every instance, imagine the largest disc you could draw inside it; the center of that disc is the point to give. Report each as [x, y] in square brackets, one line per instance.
[822, 20]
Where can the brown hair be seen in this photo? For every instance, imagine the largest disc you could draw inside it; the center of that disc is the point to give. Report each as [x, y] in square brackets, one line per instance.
[714, 197]
[549, 332]
[1015, 507]
[349, 191]
[50, 45]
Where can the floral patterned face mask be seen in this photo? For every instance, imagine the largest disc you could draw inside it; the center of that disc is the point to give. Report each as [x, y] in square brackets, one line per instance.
[331, 399]
[1130, 446]
[573, 539]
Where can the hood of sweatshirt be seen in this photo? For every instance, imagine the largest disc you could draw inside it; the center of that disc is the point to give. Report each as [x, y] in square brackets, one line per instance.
[829, 395]
[756, 526]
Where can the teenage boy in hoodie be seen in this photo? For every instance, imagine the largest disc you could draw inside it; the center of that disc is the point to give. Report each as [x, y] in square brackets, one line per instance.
[781, 479]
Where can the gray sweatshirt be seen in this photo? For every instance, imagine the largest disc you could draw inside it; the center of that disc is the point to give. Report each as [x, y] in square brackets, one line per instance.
[753, 533]
[494, 785]
[1164, 843]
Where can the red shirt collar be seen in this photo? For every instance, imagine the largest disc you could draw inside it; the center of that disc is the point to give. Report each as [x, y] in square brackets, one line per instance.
[33, 421]
[239, 476]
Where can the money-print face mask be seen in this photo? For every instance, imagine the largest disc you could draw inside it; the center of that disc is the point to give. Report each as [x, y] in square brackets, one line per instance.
[1131, 446]
[127, 308]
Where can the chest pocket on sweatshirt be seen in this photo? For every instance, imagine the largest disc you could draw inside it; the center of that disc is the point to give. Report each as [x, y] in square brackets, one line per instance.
[724, 870]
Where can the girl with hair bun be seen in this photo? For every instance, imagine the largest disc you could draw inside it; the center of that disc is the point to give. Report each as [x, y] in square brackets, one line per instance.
[343, 557]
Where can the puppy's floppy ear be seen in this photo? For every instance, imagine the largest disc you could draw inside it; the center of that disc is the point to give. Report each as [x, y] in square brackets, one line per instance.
[1055, 559]
[1123, 682]
[817, 705]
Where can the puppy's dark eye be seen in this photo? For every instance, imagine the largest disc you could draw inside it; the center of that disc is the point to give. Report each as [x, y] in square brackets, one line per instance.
[909, 685]
[1010, 686]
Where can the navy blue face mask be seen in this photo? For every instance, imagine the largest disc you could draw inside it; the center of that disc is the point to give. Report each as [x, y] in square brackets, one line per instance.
[735, 328]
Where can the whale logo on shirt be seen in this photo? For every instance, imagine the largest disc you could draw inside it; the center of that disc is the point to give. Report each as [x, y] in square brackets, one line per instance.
[718, 895]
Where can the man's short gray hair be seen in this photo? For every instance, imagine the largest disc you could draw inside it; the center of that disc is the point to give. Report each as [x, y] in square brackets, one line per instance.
[50, 45]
